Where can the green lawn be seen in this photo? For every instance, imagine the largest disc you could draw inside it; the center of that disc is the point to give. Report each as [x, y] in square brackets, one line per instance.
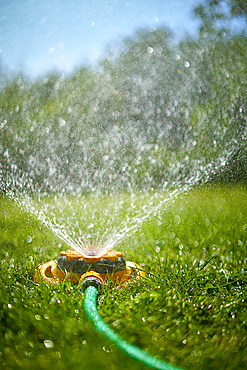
[190, 311]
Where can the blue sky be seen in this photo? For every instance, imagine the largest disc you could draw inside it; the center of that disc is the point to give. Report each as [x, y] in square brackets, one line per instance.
[38, 36]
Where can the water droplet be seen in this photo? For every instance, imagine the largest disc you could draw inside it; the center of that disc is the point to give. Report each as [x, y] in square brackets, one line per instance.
[29, 239]
[48, 343]
[177, 219]
[3, 123]
[61, 122]
[150, 50]
[155, 19]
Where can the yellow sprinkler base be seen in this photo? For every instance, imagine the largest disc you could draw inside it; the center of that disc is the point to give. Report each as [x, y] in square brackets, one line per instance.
[75, 267]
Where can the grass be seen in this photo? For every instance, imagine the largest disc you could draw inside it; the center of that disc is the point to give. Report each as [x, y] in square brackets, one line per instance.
[190, 311]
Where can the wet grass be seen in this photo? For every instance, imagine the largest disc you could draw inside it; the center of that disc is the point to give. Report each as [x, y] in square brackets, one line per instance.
[190, 311]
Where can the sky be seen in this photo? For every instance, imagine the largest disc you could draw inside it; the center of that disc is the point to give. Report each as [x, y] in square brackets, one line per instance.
[39, 36]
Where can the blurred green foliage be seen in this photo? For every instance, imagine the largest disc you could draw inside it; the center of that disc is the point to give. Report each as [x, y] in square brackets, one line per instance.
[151, 113]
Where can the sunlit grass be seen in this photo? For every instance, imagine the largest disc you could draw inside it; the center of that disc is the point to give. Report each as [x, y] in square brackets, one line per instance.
[190, 311]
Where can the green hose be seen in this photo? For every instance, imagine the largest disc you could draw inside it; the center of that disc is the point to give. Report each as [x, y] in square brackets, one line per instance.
[90, 305]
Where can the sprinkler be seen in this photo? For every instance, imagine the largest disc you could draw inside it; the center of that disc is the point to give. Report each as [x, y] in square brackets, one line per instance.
[91, 272]
[88, 269]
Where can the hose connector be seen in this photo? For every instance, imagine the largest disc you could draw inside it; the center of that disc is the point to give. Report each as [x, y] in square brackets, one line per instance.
[91, 278]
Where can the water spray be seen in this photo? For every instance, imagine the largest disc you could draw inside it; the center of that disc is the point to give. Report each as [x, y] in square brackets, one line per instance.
[91, 272]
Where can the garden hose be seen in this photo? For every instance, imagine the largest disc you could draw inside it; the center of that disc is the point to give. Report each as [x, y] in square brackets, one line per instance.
[90, 306]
